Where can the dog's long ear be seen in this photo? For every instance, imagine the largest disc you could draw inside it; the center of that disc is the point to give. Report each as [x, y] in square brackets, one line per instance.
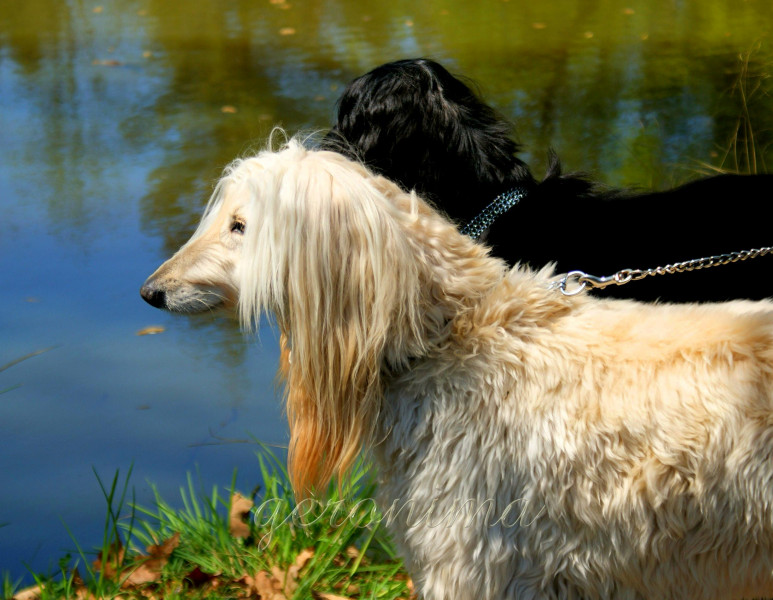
[337, 270]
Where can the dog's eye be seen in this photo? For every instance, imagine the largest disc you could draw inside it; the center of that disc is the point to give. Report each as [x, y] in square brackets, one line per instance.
[237, 226]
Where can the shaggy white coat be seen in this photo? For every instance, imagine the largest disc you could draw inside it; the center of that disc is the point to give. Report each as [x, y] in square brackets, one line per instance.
[530, 445]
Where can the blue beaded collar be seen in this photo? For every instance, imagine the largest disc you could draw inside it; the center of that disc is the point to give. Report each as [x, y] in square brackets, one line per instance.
[498, 207]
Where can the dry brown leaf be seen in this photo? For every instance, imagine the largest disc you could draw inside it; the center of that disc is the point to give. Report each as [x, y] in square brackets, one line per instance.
[332, 597]
[240, 509]
[30, 593]
[81, 591]
[110, 565]
[267, 587]
[303, 557]
[287, 31]
[353, 552]
[409, 585]
[228, 109]
[147, 569]
[287, 582]
[198, 578]
[151, 330]
[108, 62]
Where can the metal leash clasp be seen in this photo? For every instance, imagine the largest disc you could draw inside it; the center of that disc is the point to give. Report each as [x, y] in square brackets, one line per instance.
[581, 280]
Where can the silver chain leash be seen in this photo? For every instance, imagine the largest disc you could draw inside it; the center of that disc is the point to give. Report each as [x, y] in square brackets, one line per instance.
[580, 280]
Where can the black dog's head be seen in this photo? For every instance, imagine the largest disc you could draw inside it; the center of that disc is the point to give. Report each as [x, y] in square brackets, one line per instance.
[417, 124]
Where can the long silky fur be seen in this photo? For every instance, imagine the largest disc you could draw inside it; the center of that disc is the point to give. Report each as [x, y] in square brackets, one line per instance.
[319, 262]
[634, 440]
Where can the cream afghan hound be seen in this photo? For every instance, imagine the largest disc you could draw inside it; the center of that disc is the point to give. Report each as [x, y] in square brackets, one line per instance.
[529, 444]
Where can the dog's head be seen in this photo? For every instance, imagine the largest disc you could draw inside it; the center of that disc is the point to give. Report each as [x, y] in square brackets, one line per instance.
[321, 243]
[415, 123]
[203, 275]
[361, 277]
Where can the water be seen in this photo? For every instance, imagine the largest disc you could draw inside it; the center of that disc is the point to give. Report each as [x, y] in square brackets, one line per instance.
[116, 117]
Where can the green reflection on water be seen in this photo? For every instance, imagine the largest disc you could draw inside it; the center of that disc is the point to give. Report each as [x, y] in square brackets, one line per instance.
[635, 92]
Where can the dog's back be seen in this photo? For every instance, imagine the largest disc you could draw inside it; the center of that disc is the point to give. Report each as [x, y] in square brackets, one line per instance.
[604, 449]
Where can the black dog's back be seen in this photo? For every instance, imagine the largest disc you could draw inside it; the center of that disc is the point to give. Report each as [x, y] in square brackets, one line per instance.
[415, 123]
[602, 234]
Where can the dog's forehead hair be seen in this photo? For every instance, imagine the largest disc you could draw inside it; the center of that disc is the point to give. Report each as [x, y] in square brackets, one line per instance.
[228, 200]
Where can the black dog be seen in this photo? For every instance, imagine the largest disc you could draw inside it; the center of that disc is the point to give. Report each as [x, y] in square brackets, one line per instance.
[415, 123]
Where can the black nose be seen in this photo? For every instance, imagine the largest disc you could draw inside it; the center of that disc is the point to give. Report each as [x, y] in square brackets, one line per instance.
[153, 296]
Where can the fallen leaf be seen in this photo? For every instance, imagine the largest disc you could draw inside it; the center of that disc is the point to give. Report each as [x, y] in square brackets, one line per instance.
[81, 591]
[240, 509]
[304, 556]
[287, 31]
[30, 593]
[267, 587]
[97, 9]
[628, 11]
[228, 109]
[197, 578]
[152, 330]
[147, 54]
[149, 567]
[110, 564]
[332, 597]
[588, 35]
[287, 584]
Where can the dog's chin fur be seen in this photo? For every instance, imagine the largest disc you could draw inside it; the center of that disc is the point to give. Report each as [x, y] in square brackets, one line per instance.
[415, 123]
[547, 446]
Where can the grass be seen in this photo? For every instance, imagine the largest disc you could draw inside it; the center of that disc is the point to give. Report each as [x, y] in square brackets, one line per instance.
[222, 546]
[747, 147]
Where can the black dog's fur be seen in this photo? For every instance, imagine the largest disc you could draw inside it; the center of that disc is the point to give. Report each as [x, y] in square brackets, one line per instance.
[415, 123]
